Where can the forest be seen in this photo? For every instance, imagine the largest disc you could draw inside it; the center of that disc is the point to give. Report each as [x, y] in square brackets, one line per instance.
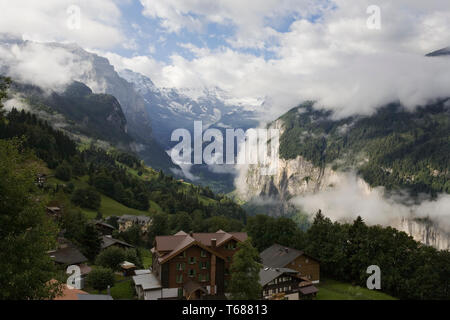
[394, 148]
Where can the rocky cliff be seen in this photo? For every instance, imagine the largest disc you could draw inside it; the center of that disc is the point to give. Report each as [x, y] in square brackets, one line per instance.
[300, 178]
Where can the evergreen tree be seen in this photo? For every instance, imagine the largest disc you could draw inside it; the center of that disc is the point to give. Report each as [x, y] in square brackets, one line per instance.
[90, 242]
[244, 284]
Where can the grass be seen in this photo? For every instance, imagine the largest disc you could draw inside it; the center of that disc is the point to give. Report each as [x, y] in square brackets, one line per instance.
[122, 290]
[335, 290]
[146, 257]
[109, 207]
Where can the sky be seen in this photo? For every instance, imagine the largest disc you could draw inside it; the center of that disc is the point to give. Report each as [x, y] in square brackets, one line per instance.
[350, 56]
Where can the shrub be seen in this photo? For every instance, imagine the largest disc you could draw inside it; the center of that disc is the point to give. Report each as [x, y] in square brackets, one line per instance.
[87, 198]
[111, 258]
[100, 278]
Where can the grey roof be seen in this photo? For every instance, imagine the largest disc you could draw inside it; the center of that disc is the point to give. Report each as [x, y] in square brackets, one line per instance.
[140, 272]
[267, 275]
[109, 241]
[69, 255]
[278, 256]
[94, 297]
[104, 224]
[309, 290]
[148, 281]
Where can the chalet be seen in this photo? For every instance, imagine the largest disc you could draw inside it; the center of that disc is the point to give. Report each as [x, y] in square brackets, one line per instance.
[279, 282]
[104, 228]
[108, 241]
[54, 212]
[68, 255]
[278, 256]
[190, 266]
[285, 284]
[127, 221]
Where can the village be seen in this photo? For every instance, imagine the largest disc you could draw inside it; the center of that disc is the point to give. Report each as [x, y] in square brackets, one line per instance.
[186, 266]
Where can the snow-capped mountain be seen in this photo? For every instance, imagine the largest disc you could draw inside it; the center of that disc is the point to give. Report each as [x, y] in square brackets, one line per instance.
[21, 59]
[171, 108]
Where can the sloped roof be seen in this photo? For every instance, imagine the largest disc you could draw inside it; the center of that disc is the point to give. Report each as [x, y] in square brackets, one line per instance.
[267, 275]
[191, 286]
[278, 256]
[147, 281]
[69, 255]
[109, 241]
[70, 294]
[172, 245]
[309, 290]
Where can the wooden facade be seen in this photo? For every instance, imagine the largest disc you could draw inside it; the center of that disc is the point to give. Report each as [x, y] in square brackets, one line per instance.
[307, 267]
[197, 258]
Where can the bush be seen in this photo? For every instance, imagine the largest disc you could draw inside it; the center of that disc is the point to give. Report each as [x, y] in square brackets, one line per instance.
[100, 278]
[63, 172]
[87, 198]
[111, 258]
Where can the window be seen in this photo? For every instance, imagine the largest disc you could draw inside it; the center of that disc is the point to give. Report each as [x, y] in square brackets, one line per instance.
[231, 245]
[182, 255]
[203, 265]
[191, 272]
[191, 260]
[203, 253]
[180, 266]
[179, 278]
[203, 277]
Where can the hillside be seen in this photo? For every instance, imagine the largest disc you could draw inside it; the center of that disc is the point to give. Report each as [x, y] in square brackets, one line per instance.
[393, 148]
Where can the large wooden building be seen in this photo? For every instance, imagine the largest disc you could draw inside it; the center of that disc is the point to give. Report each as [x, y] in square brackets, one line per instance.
[278, 256]
[194, 265]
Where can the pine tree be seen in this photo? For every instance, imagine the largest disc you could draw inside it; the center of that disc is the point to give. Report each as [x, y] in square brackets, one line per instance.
[244, 284]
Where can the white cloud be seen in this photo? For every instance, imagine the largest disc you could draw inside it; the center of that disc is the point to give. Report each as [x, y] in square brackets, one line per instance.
[48, 20]
[251, 18]
[352, 197]
[335, 60]
[41, 65]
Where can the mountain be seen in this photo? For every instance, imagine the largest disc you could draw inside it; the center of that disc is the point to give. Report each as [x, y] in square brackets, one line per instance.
[84, 113]
[396, 149]
[171, 108]
[99, 75]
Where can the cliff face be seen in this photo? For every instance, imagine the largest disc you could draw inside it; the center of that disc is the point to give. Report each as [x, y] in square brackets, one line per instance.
[293, 177]
[300, 178]
[424, 231]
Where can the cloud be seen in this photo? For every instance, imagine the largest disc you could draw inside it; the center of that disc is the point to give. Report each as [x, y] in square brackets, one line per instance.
[333, 59]
[352, 197]
[254, 20]
[55, 20]
[48, 67]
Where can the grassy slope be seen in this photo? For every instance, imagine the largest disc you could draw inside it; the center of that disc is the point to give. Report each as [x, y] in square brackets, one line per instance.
[109, 207]
[335, 290]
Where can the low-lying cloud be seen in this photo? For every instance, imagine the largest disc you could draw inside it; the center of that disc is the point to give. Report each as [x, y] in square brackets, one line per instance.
[51, 68]
[352, 197]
